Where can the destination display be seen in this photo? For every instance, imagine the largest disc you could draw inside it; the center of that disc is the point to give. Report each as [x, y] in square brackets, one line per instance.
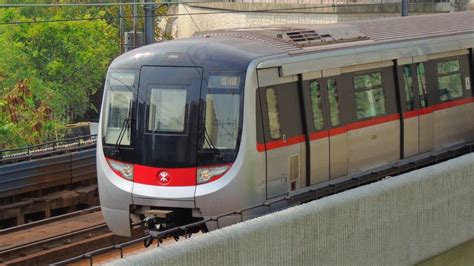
[224, 82]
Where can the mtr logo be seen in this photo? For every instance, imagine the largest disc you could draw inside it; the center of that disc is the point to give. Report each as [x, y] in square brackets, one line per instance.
[163, 177]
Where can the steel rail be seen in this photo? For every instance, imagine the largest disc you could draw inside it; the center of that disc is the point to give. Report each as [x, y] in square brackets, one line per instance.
[310, 193]
[49, 220]
[52, 240]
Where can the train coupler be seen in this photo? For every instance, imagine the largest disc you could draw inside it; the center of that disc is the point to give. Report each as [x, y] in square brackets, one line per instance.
[154, 222]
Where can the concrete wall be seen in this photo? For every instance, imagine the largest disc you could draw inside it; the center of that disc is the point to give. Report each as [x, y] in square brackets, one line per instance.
[398, 221]
[214, 16]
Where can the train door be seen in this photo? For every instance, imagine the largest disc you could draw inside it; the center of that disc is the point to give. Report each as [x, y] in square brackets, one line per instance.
[333, 95]
[374, 134]
[284, 138]
[425, 108]
[410, 105]
[328, 136]
[314, 98]
[452, 99]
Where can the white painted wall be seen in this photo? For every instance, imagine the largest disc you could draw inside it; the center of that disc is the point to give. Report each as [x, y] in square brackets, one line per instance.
[398, 221]
[186, 26]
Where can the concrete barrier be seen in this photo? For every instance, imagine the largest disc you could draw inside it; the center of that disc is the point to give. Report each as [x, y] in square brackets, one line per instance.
[398, 221]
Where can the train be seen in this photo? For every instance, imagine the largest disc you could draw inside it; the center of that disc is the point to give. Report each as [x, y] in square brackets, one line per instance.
[197, 127]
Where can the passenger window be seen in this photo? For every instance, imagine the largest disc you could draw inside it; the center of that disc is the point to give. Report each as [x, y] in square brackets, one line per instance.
[333, 102]
[369, 96]
[316, 105]
[273, 114]
[449, 80]
[408, 81]
[420, 72]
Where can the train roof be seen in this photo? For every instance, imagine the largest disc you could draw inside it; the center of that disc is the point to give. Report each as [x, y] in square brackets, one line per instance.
[295, 38]
[213, 49]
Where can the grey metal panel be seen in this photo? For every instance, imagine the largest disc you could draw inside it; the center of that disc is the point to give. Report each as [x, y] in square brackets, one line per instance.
[338, 155]
[471, 119]
[178, 193]
[410, 136]
[452, 125]
[278, 182]
[118, 221]
[320, 60]
[312, 75]
[319, 160]
[373, 146]
[271, 76]
[466, 43]
[448, 54]
[114, 191]
[302, 166]
[426, 132]
[245, 182]
[155, 201]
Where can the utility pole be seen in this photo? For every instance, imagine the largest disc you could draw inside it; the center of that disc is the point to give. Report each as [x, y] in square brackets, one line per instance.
[121, 27]
[149, 22]
[134, 24]
[404, 8]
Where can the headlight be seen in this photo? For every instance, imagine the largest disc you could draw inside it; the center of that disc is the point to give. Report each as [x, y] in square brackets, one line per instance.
[124, 170]
[204, 175]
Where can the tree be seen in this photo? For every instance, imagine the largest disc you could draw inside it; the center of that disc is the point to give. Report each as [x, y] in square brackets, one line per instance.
[60, 64]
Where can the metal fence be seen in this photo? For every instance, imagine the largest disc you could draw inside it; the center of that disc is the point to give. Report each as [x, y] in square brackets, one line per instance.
[8, 156]
[339, 2]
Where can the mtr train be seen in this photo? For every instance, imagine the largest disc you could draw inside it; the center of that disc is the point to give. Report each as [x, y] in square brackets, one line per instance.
[198, 127]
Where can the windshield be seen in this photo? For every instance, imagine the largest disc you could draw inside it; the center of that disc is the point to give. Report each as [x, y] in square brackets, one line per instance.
[119, 93]
[222, 121]
[167, 111]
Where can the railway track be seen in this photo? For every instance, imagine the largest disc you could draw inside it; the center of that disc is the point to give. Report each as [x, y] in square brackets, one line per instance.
[57, 238]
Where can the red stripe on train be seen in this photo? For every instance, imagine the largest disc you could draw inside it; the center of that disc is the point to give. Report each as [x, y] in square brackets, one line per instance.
[361, 124]
[172, 177]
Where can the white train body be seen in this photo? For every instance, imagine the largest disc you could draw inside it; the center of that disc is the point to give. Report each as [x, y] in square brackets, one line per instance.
[229, 119]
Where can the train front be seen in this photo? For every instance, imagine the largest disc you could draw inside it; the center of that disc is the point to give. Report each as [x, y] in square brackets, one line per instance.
[171, 121]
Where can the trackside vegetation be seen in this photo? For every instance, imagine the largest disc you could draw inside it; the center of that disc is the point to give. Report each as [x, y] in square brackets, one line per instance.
[50, 71]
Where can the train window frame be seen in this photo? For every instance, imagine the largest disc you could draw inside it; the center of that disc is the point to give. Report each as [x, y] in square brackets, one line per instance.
[212, 95]
[274, 125]
[371, 87]
[334, 95]
[149, 110]
[421, 81]
[111, 105]
[408, 87]
[312, 89]
[443, 75]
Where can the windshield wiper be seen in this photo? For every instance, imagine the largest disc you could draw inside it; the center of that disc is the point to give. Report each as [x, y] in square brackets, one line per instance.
[125, 126]
[211, 145]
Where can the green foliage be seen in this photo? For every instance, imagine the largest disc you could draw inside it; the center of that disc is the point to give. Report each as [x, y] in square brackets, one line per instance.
[61, 63]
